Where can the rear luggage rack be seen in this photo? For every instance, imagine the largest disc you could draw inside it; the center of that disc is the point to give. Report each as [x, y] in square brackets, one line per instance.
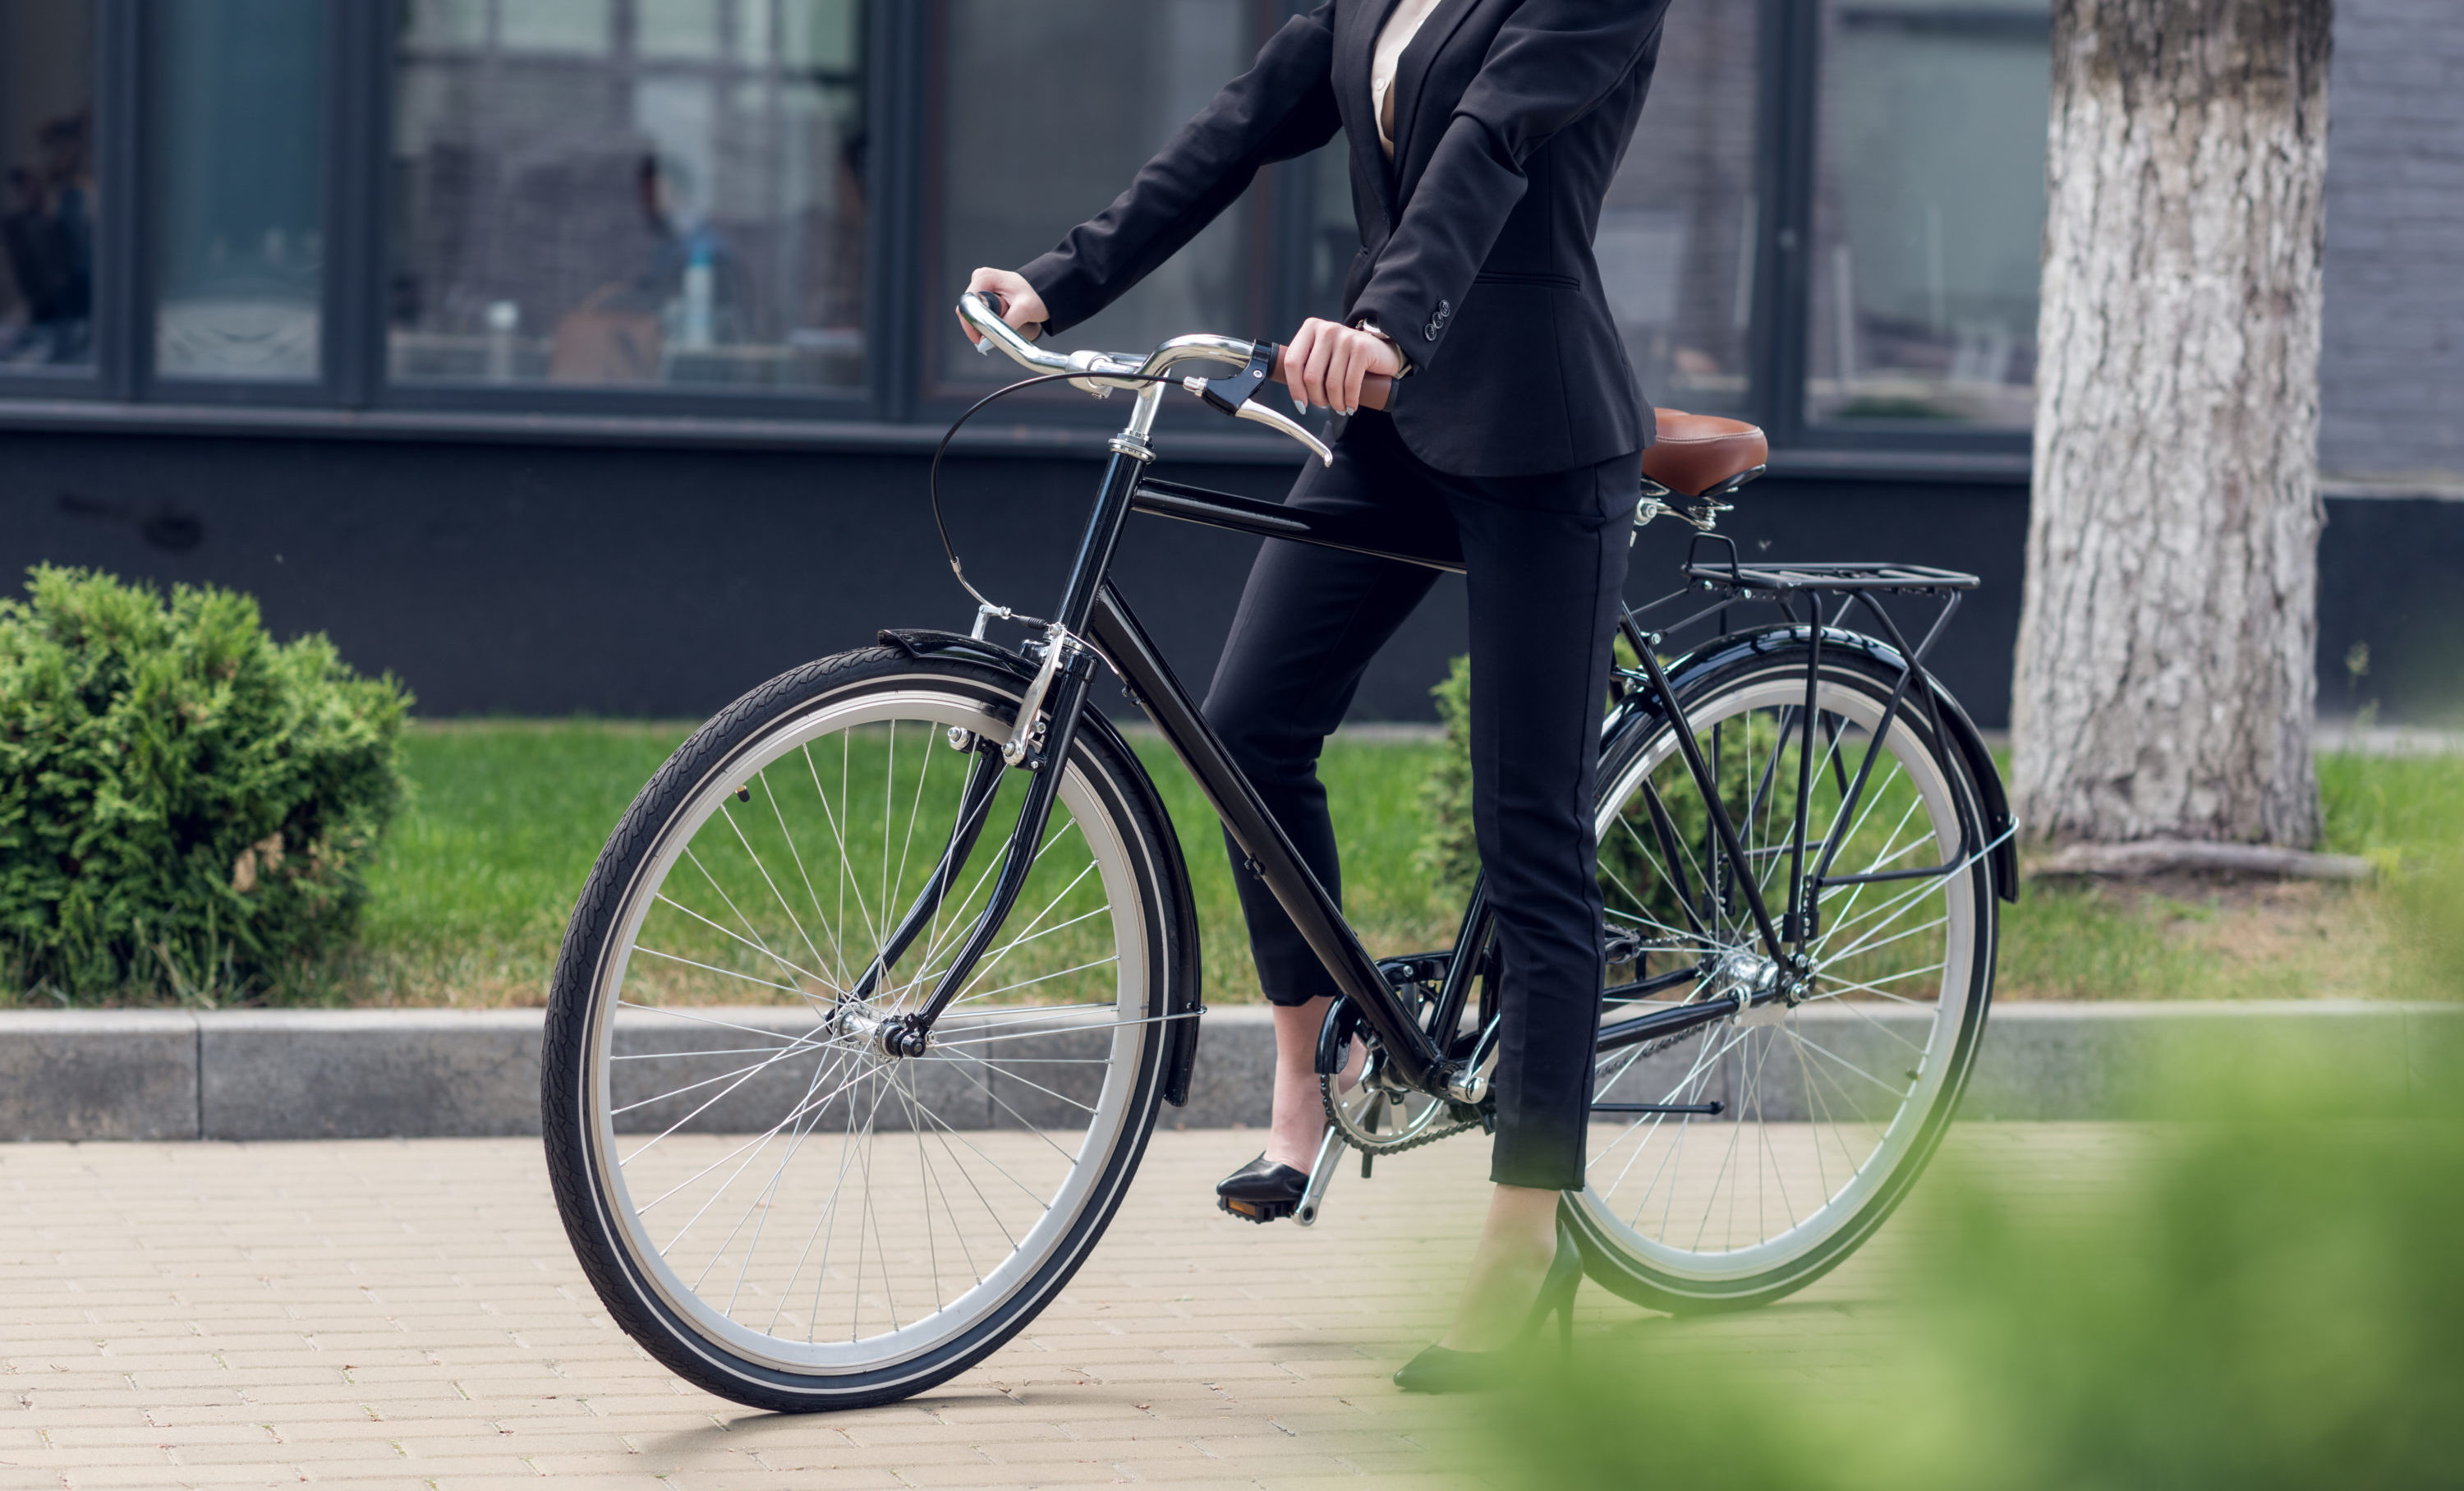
[1759, 581]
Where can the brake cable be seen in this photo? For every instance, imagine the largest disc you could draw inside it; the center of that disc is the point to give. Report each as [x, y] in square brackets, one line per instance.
[933, 478]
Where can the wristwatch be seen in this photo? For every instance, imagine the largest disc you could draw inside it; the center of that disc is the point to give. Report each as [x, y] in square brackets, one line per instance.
[1365, 324]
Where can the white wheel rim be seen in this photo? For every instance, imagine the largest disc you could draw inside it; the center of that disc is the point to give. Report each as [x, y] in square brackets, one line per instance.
[973, 1028]
[1641, 1187]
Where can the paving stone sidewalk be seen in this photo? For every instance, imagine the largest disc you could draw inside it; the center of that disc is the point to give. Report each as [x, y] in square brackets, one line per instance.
[407, 1314]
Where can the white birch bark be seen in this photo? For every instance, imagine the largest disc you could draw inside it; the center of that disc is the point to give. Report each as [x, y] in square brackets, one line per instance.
[2165, 680]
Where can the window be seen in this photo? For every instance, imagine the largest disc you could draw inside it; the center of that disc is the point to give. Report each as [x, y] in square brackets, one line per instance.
[48, 207]
[1047, 109]
[1829, 221]
[1929, 211]
[240, 139]
[621, 192]
[1678, 234]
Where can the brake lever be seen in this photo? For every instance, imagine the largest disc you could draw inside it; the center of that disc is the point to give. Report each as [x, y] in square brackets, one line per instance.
[1273, 419]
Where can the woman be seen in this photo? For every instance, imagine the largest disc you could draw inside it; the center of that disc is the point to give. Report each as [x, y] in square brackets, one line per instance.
[1484, 134]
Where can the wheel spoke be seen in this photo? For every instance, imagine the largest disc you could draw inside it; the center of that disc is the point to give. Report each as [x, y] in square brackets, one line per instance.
[777, 1173]
[1814, 1121]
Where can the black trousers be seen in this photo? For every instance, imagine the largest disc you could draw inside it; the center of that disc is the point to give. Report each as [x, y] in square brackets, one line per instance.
[1546, 559]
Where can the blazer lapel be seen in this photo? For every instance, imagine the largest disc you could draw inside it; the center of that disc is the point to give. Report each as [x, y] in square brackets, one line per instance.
[1411, 70]
[1356, 50]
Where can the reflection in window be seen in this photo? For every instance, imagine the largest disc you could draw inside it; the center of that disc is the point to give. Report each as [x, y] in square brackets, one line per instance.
[241, 140]
[1675, 246]
[630, 192]
[1049, 110]
[1930, 210]
[1676, 242]
[47, 189]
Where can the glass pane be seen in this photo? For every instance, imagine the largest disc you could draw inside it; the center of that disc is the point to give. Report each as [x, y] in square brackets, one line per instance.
[630, 192]
[1049, 110]
[1930, 210]
[47, 213]
[1675, 244]
[241, 140]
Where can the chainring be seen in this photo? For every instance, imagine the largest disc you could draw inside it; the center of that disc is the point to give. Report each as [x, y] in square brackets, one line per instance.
[1428, 1131]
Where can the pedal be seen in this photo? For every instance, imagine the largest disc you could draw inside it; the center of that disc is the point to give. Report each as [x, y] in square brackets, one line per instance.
[1257, 1212]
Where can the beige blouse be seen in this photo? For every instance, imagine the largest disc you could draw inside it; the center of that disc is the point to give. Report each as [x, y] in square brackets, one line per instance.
[1391, 39]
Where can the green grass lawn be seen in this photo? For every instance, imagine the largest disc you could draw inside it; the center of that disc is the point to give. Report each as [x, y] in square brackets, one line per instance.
[480, 873]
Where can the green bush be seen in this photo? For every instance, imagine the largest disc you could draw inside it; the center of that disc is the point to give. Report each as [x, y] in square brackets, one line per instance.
[187, 808]
[1448, 855]
[2265, 1299]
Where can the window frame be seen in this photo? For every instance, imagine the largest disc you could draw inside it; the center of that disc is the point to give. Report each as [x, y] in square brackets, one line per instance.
[901, 399]
[114, 86]
[1783, 318]
[1277, 205]
[886, 49]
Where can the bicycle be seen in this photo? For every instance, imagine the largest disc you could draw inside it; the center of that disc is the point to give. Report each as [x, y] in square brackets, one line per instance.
[836, 1099]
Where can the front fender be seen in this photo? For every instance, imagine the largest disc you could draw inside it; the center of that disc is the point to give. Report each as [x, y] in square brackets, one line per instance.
[1180, 1031]
[1724, 652]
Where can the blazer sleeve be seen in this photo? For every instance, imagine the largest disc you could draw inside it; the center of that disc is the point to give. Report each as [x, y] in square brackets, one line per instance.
[1282, 107]
[1551, 64]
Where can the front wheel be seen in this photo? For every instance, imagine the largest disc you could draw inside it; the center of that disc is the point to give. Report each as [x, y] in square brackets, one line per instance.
[765, 1198]
[1739, 1162]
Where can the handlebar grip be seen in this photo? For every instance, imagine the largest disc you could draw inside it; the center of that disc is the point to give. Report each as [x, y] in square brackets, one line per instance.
[1374, 389]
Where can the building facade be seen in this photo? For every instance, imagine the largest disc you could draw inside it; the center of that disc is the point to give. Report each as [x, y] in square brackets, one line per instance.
[588, 355]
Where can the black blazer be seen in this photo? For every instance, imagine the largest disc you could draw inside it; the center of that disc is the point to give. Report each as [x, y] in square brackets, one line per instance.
[1510, 117]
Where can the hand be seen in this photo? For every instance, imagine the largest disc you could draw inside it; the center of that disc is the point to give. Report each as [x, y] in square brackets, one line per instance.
[1025, 308]
[1325, 364]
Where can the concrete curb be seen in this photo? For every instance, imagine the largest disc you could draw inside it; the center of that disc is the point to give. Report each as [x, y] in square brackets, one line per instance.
[279, 1074]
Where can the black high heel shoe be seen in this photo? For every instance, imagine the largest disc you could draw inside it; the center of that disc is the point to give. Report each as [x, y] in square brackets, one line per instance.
[1262, 1191]
[1444, 1370]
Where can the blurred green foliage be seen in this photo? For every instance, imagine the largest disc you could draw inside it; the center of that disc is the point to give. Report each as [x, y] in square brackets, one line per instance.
[187, 808]
[2265, 1299]
[1447, 852]
[2407, 815]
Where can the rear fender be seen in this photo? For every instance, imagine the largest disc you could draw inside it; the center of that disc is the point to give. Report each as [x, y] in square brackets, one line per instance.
[1180, 1029]
[1721, 652]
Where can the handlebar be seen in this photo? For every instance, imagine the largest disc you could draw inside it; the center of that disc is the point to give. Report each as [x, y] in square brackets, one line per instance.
[983, 310]
[1101, 372]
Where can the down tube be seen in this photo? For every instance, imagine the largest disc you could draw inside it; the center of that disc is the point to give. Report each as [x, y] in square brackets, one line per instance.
[1117, 632]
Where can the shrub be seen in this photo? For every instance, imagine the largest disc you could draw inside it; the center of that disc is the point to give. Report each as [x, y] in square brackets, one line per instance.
[1448, 855]
[187, 808]
[2265, 1299]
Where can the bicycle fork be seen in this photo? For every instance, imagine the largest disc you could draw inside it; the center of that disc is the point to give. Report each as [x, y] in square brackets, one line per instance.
[1039, 743]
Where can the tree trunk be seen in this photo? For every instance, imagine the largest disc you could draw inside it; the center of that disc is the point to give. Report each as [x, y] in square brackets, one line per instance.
[2165, 681]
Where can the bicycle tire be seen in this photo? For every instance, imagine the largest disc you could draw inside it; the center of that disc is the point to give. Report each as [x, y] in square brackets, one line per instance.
[1668, 1271]
[1134, 859]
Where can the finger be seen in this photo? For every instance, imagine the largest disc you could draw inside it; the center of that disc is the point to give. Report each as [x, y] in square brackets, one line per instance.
[1321, 362]
[1296, 361]
[1355, 362]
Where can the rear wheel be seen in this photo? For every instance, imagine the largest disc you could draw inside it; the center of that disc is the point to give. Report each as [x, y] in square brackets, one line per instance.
[1827, 1110]
[768, 1201]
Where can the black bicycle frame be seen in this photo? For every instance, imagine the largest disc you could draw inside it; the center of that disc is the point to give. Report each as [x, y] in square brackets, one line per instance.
[1092, 611]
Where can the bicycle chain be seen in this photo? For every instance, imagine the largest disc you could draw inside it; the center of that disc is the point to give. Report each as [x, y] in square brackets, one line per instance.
[1350, 1136]
[1335, 1118]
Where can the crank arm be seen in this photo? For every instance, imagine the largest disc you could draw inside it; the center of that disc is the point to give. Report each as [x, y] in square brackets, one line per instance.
[1321, 1175]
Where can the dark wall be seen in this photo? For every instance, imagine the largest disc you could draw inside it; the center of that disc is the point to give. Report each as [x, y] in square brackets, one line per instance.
[552, 580]
[542, 580]
[2388, 573]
